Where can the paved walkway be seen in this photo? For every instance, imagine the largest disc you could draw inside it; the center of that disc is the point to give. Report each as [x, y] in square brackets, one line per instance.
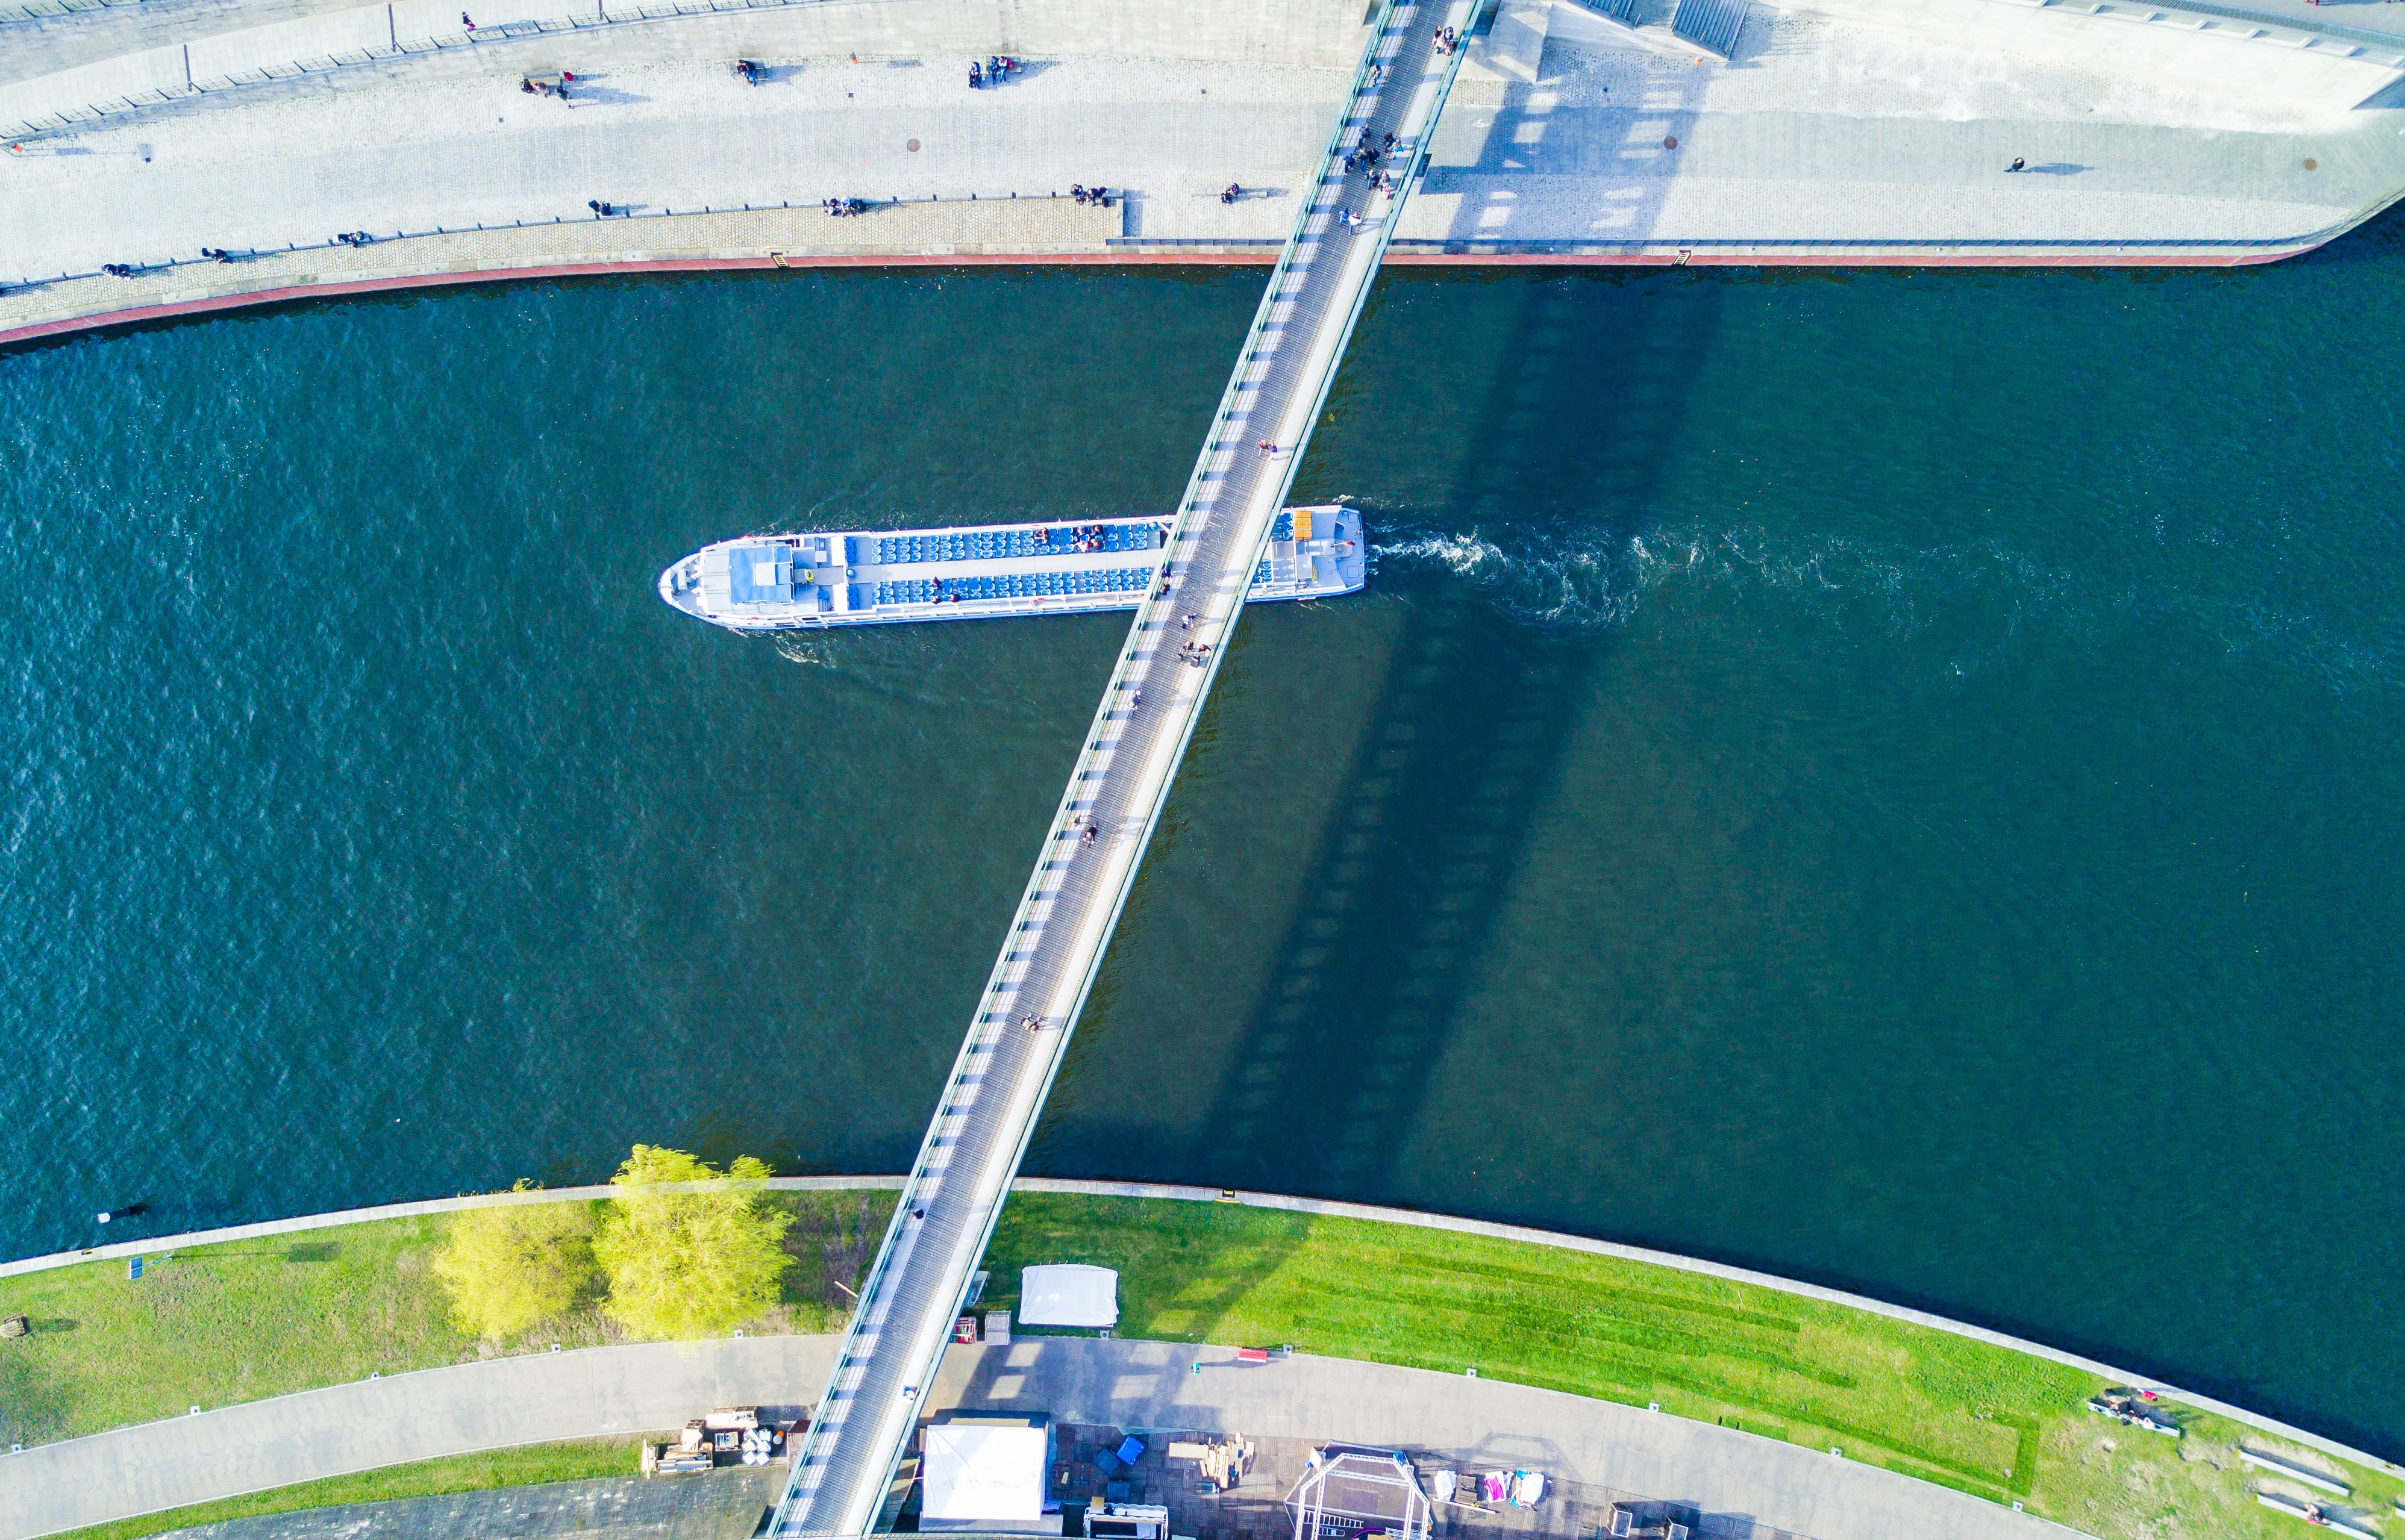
[602, 1390]
[536, 1399]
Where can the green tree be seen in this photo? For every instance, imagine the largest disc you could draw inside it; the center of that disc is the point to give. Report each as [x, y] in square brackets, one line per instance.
[690, 1264]
[506, 1268]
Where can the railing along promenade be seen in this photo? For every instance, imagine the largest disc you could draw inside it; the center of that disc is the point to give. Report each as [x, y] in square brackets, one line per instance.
[1021, 1029]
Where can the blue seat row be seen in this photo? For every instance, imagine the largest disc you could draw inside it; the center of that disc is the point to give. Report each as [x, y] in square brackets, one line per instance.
[1027, 585]
[973, 545]
[1282, 527]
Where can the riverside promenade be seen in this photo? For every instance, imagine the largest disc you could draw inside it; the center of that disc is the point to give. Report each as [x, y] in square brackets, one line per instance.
[1786, 1491]
[339, 1430]
[1087, 863]
[1838, 132]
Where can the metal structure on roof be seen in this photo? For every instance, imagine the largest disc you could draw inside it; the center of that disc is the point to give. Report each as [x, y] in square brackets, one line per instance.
[1350, 1493]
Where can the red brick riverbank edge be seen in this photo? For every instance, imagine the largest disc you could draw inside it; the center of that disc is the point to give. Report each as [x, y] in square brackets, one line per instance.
[1260, 257]
[1172, 1193]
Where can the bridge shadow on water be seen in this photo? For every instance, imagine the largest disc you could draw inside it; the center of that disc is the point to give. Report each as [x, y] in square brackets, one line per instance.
[1387, 931]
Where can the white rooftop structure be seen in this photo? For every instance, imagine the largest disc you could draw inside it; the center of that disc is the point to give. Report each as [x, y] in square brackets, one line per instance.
[1068, 1294]
[981, 1476]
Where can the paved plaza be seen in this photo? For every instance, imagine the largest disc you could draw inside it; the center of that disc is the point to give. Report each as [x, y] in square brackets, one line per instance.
[1826, 137]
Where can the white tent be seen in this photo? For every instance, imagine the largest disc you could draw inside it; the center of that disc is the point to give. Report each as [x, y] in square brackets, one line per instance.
[980, 1475]
[1068, 1294]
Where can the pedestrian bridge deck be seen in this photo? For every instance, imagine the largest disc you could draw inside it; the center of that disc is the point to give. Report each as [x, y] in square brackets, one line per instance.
[1054, 946]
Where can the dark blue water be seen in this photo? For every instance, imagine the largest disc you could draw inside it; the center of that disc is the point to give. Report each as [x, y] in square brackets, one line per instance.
[1890, 778]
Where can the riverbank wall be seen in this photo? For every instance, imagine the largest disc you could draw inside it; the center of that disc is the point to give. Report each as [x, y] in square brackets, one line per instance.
[1033, 232]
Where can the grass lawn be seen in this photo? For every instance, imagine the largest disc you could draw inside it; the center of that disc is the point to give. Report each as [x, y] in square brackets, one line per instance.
[221, 1324]
[1985, 1420]
[529, 1466]
[234, 1323]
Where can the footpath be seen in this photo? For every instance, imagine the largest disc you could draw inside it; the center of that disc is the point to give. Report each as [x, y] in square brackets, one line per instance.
[539, 1399]
[599, 1391]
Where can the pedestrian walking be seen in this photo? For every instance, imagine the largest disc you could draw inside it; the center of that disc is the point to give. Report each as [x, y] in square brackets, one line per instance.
[2017, 164]
[467, 21]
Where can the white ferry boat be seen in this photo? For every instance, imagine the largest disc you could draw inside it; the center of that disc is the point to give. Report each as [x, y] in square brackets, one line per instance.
[888, 577]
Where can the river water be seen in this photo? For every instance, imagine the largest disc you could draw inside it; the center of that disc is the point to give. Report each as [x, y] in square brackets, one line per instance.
[1886, 777]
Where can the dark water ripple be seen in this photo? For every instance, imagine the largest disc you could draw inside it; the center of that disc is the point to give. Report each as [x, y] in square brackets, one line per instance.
[1888, 778]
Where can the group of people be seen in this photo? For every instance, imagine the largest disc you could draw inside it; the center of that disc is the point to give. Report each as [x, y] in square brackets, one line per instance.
[1366, 154]
[533, 87]
[1099, 197]
[1197, 654]
[354, 238]
[1084, 537]
[1233, 193]
[217, 254]
[844, 208]
[119, 270]
[993, 72]
[601, 210]
[750, 69]
[1447, 40]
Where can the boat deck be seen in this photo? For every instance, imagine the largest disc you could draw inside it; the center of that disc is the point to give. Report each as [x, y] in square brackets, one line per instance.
[785, 583]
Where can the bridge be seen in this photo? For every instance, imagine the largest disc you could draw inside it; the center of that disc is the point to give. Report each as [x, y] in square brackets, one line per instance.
[844, 1468]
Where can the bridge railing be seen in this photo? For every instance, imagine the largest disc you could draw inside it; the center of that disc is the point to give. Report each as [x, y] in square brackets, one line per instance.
[1101, 738]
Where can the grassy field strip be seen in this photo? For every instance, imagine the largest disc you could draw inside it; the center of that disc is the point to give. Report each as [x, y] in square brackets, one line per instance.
[1283, 1203]
[120, 1249]
[239, 1321]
